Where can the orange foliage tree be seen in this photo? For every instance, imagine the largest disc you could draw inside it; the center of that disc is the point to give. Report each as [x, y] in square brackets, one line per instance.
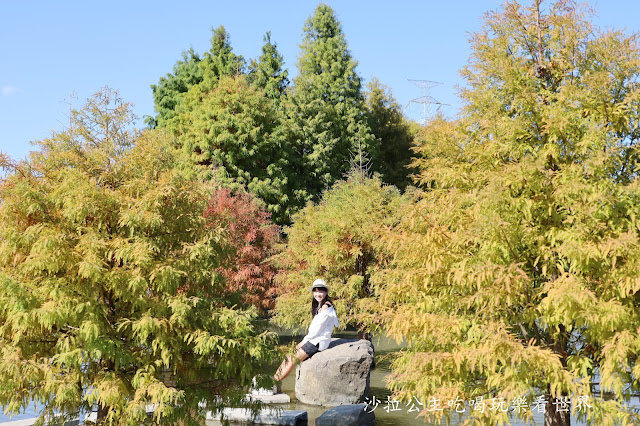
[252, 238]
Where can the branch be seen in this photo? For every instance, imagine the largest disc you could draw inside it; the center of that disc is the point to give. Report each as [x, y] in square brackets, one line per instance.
[525, 335]
[539, 33]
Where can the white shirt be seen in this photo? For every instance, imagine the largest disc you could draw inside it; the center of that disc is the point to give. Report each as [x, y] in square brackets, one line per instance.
[321, 328]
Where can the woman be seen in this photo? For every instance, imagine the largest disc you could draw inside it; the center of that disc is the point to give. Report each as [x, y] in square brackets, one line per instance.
[319, 335]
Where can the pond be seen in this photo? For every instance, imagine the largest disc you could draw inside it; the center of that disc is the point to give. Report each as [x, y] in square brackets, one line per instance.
[386, 414]
[377, 388]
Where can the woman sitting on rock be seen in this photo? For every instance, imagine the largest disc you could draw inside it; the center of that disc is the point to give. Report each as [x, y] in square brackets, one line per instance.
[319, 335]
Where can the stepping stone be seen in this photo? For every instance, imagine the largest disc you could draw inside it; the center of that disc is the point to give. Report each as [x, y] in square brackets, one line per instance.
[268, 416]
[263, 391]
[25, 422]
[32, 421]
[278, 398]
[347, 415]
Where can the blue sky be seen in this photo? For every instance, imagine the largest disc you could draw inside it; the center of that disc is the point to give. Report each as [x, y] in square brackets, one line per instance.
[51, 49]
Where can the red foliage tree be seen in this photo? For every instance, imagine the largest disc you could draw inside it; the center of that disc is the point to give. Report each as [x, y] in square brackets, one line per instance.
[252, 238]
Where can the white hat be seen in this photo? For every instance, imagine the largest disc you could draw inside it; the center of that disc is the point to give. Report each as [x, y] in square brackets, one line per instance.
[320, 283]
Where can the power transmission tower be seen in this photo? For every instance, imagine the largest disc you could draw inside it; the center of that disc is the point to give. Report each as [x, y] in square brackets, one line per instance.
[69, 102]
[425, 99]
[360, 164]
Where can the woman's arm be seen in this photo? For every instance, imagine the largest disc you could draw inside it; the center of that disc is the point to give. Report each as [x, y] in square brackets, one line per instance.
[324, 317]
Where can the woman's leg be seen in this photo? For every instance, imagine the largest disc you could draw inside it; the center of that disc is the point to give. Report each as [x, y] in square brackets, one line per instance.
[287, 365]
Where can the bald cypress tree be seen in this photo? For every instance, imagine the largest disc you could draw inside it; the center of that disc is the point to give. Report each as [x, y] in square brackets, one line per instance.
[393, 135]
[166, 94]
[515, 278]
[326, 108]
[109, 290]
[231, 131]
[267, 71]
[337, 239]
[218, 61]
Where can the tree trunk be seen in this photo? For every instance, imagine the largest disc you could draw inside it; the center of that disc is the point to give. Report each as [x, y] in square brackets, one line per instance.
[558, 412]
[103, 410]
[553, 417]
[102, 414]
[367, 336]
[362, 334]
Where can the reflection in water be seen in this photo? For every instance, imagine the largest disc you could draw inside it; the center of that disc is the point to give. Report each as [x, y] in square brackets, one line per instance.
[377, 388]
[402, 417]
[383, 346]
[29, 413]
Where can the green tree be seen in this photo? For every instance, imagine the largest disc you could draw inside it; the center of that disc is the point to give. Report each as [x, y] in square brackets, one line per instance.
[220, 59]
[108, 290]
[337, 239]
[190, 71]
[230, 131]
[267, 71]
[393, 135]
[326, 108]
[516, 275]
[166, 94]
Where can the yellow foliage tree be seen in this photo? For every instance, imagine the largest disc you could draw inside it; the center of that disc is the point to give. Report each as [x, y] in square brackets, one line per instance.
[109, 295]
[516, 278]
[337, 239]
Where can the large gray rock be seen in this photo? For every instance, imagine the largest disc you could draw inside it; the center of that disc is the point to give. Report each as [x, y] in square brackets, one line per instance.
[347, 415]
[336, 376]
